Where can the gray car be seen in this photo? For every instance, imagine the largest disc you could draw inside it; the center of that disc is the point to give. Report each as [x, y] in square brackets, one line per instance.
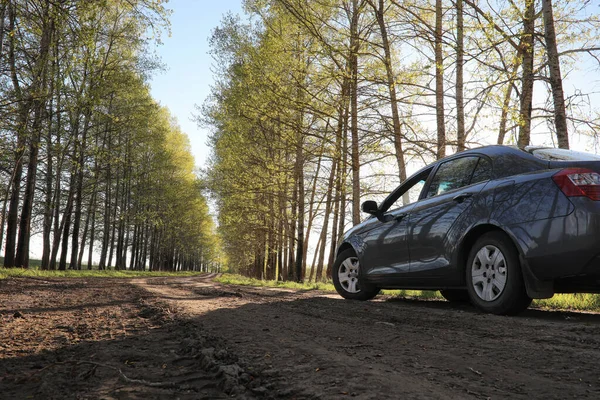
[496, 225]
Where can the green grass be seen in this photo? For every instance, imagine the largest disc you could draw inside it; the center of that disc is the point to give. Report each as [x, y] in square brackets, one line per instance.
[233, 279]
[567, 301]
[575, 302]
[36, 273]
[571, 301]
[417, 294]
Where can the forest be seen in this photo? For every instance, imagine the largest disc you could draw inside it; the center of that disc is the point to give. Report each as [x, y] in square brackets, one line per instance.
[89, 161]
[132, 268]
[315, 107]
[319, 105]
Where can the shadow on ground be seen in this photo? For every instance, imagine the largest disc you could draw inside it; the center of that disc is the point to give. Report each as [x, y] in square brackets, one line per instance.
[210, 341]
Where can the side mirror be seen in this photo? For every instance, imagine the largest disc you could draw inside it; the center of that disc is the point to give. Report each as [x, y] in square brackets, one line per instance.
[370, 207]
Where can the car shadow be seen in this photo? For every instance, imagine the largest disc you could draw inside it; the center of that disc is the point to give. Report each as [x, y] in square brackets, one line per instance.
[532, 312]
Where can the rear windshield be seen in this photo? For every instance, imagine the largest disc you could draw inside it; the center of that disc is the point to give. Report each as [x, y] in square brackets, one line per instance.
[563, 155]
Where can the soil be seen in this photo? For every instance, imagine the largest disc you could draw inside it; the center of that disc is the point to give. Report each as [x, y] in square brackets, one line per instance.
[192, 338]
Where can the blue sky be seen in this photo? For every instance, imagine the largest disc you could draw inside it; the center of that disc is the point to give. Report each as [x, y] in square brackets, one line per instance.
[185, 53]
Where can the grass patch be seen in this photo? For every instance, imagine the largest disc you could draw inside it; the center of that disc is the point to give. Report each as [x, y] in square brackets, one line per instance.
[418, 294]
[233, 279]
[566, 301]
[36, 273]
[570, 301]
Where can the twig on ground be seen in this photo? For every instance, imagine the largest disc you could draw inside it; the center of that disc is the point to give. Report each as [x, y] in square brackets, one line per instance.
[164, 385]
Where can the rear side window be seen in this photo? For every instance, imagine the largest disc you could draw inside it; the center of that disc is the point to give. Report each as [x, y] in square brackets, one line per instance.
[483, 171]
[452, 175]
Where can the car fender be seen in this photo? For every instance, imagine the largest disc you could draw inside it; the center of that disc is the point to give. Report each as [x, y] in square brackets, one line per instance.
[536, 288]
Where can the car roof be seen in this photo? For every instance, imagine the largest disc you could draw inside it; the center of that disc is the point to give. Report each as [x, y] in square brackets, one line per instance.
[518, 160]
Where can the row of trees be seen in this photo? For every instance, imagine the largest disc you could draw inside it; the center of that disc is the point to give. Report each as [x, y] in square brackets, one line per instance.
[88, 158]
[318, 103]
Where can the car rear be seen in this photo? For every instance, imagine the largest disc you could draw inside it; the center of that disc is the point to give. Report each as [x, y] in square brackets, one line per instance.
[572, 250]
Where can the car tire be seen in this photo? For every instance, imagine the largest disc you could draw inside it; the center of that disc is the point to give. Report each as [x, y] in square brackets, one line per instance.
[493, 276]
[346, 278]
[455, 295]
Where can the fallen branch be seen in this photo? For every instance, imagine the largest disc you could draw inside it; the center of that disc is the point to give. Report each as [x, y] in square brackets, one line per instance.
[164, 385]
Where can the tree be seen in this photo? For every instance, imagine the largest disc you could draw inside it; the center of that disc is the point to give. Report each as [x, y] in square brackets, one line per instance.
[560, 117]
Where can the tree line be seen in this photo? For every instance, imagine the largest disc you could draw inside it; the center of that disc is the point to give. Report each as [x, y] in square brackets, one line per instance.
[87, 158]
[319, 103]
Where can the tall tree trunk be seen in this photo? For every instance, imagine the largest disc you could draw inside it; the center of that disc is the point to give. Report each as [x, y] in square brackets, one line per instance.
[560, 115]
[504, 113]
[79, 195]
[66, 225]
[92, 232]
[107, 224]
[15, 184]
[39, 90]
[339, 214]
[439, 83]
[312, 212]
[298, 169]
[114, 225]
[527, 45]
[47, 224]
[325, 226]
[391, 83]
[22, 253]
[460, 106]
[58, 223]
[292, 230]
[354, 47]
[2, 29]
[3, 215]
[86, 227]
[142, 265]
[134, 246]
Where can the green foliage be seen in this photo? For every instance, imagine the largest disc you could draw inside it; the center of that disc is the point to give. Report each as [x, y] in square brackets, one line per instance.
[34, 273]
[290, 106]
[111, 161]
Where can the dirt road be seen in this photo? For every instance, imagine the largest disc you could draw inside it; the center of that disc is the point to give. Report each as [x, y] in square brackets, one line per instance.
[192, 338]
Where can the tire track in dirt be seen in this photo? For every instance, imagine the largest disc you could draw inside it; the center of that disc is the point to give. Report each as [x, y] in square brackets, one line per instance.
[314, 345]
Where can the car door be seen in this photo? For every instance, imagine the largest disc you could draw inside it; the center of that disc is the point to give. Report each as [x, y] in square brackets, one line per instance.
[449, 195]
[386, 245]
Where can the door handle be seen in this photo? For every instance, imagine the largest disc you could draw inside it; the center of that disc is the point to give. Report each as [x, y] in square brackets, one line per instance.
[462, 197]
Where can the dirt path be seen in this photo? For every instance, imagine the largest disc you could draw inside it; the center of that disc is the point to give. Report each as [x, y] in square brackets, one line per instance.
[192, 338]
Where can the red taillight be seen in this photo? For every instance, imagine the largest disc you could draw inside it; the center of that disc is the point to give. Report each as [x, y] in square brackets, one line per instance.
[578, 182]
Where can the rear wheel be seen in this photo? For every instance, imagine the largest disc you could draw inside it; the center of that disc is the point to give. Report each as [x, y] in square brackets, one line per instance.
[455, 295]
[493, 275]
[346, 278]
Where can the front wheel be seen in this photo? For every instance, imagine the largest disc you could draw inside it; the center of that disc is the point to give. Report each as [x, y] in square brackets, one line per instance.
[493, 274]
[346, 278]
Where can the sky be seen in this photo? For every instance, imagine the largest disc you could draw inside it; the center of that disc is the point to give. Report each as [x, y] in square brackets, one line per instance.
[185, 53]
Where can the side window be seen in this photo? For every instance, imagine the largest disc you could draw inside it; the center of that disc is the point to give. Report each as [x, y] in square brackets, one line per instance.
[483, 171]
[407, 193]
[452, 175]
[410, 196]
